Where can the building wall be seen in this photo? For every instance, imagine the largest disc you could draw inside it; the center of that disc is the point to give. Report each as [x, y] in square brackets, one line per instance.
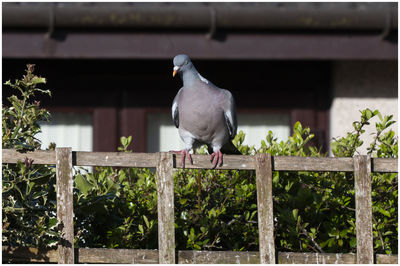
[357, 85]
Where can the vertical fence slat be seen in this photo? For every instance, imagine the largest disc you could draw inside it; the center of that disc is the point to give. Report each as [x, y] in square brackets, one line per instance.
[165, 202]
[65, 207]
[362, 179]
[263, 165]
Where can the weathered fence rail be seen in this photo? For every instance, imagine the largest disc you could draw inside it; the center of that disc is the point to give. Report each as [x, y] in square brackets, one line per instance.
[263, 164]
[142, 256]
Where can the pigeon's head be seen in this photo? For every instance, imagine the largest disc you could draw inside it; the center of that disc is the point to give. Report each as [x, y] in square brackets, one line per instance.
[181, 63]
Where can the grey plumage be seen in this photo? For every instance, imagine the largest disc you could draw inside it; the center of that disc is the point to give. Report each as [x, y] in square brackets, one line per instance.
[202, 112]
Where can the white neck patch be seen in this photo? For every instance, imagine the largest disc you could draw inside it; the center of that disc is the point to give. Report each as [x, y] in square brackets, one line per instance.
[202, 79]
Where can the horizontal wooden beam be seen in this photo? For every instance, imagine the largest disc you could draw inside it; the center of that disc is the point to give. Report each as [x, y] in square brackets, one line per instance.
[280, 163]
[125, 256]
[230, 162]
[239, 162]
[315, 258]
[39, 156]
[225, 45]
[386, 259]
[116, 159]
[389, 165]
[196, 16]
[139, 256]
[296, 163]
[252, 257]
[218, 257]
[82, 255]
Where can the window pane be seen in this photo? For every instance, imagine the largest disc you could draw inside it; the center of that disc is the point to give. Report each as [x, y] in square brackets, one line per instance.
[163, 136]
[73, 130]
[256, 127]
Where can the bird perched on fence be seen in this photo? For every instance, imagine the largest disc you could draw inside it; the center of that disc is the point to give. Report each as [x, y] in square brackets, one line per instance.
[203, 113]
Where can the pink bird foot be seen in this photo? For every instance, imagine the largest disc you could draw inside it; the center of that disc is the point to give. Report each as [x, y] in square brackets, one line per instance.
[217, 155]
[184, 154]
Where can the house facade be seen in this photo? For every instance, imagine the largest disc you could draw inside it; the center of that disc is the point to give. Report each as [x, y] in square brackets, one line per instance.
[109, 66]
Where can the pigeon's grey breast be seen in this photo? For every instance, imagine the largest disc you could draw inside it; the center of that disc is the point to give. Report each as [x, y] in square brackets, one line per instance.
[201, 114]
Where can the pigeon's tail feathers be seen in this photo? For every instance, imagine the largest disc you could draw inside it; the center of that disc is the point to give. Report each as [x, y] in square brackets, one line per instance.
[229, 148]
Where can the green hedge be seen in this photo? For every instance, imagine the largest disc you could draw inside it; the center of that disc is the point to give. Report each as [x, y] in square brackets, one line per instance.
[214, 209]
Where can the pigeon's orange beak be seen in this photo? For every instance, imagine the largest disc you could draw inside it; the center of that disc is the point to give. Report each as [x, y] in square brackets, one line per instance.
[175, 71]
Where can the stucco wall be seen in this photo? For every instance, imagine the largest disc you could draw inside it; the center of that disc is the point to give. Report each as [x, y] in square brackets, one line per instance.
[358, 85]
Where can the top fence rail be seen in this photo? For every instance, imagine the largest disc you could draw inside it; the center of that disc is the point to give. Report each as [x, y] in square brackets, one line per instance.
[238, 162]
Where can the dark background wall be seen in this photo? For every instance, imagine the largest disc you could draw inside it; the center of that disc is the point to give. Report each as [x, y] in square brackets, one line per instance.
[120, 92]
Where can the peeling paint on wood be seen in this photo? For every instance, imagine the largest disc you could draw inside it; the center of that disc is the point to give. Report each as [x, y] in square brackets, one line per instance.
[165, 207]
[362, 179]
[265, 208]
[65, 207]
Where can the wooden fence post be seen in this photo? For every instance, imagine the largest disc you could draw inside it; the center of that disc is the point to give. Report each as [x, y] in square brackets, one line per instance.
[65, 205]
[263, 165]
[362, 179]
[165, 206]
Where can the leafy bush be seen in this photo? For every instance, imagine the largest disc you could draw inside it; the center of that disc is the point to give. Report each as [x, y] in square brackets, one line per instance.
[29, 205]
[384, 186]
[116, 208]
[214, 209]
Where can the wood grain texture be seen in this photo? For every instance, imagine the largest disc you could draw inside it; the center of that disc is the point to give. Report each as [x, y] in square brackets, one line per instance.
[280, 163]
[315, 258]
[39, 156]
[296, 163]
[218, 257]
[65, 207]
[265, 208]
[117, 159]
[100, 255]
[125, 256]
[165, 207]
[82, 255]
[387, 259]
[362, 180]
[385, 165]
[240, 162]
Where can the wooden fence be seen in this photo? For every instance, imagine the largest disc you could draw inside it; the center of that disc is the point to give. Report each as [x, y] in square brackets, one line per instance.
[165, 163]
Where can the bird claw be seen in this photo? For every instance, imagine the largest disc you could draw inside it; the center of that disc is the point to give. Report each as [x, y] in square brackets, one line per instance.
[218, 156]
[184, 154]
